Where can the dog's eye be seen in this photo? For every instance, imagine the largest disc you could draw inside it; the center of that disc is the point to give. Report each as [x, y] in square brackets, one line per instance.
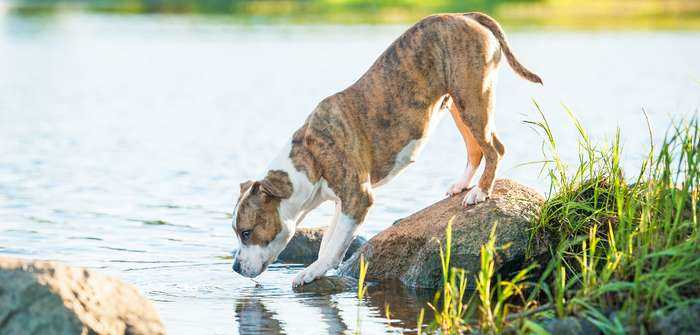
[245, 235]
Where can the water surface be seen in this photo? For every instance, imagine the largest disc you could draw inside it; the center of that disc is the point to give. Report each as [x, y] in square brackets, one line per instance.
[123, 140]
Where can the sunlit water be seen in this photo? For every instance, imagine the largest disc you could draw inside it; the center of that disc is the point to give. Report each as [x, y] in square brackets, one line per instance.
[123, 141]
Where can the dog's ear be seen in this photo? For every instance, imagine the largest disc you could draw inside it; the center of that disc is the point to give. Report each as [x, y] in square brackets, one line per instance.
[245, 185]
[274, 189]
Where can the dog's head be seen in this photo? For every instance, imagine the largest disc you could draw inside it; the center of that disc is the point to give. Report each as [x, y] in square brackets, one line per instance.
[257, 222]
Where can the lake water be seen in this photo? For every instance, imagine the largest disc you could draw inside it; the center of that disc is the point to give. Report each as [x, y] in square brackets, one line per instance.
[123, 140]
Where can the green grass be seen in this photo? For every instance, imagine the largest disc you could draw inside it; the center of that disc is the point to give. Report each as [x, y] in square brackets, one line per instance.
[361, 287]
[624, 248]
[624, 244]
[451, 312]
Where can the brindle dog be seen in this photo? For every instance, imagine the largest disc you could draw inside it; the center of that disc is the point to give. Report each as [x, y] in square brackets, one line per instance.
[361, 137]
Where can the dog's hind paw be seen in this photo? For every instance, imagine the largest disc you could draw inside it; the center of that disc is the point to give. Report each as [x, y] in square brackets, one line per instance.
[474, 196]
[316, 270]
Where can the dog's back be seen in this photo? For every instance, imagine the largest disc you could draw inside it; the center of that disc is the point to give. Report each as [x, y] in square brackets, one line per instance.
[388, 112]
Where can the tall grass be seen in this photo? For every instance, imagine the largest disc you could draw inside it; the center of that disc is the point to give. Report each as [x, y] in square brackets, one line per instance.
[452, 314]
[623, 244]
[623, 248]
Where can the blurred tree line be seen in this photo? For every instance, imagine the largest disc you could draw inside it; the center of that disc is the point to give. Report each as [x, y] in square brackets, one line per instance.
[591, 14]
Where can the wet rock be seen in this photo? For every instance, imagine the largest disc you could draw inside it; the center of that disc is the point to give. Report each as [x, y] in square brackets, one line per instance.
[408, 250]
[303, 247]
[681, 321]
[329, 285]
[38, 297]
[571, 326]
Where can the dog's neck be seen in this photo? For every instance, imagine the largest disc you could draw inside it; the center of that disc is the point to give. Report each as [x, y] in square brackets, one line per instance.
[305, 193]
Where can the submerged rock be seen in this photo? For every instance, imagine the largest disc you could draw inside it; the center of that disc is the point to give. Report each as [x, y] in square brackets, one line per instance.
[38, 297]
[303, 247]
[571, 326]
[684, 320]
[328, 285]
[408, 250]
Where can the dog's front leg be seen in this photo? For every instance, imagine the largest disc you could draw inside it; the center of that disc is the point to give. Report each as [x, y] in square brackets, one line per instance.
[337, 239]
[329, 230]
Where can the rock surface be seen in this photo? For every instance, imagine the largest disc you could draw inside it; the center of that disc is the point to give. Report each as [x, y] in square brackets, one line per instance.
[681, 321]
[38, 297]
[408, 251]
[303, 247]
[571, 326]
[328, 285]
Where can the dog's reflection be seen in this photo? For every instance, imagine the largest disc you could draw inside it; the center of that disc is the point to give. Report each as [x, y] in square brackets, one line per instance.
[330, 313]
[254, 318]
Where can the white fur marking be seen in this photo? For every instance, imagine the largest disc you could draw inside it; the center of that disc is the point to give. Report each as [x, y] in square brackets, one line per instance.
[331, 227]
[305, 197]
[464, 181]
[474, 196]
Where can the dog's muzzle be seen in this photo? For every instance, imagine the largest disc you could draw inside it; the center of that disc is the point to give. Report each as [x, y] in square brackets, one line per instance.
[236, 266]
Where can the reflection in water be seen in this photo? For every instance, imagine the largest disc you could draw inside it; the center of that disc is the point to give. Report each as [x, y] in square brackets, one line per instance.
[330, 313]
[404, 303]
[254, 318]
[255, 312]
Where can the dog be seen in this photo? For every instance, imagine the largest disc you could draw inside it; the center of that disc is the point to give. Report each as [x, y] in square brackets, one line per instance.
[362, 137]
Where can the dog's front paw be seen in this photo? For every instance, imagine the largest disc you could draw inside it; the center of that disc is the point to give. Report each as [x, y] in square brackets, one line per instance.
[474, 196]
[311, 272]
[457, 187]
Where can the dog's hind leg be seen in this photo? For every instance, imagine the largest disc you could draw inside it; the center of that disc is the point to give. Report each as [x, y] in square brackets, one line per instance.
[474, 103]
[474, 154]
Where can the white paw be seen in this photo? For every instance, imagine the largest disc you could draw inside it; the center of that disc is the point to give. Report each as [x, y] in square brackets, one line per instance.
[311, 272]
[457, 187]
[475, 195]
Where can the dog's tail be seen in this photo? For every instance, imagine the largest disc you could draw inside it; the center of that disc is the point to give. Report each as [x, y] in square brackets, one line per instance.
[497, 32]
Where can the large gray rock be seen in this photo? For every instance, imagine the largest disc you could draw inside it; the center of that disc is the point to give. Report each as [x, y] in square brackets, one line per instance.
[304, 245]
[50, 298]
[408, 251]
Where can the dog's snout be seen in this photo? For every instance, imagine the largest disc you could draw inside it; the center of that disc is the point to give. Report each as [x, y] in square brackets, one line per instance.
[236, 266]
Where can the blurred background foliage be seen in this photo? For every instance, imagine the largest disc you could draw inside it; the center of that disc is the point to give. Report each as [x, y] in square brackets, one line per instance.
[555, 14]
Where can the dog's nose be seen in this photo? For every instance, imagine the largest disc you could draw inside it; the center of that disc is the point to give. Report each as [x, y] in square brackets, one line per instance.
[236, 266]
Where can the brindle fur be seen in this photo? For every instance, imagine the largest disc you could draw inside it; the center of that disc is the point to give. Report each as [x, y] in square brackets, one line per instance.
[264, 198]
[353, 137]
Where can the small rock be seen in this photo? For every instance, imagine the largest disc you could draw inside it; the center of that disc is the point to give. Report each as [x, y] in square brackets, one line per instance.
[304, 245]
[408, 250]
[571, 326]
[681, 321]
[38, 297]
[328, 285]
